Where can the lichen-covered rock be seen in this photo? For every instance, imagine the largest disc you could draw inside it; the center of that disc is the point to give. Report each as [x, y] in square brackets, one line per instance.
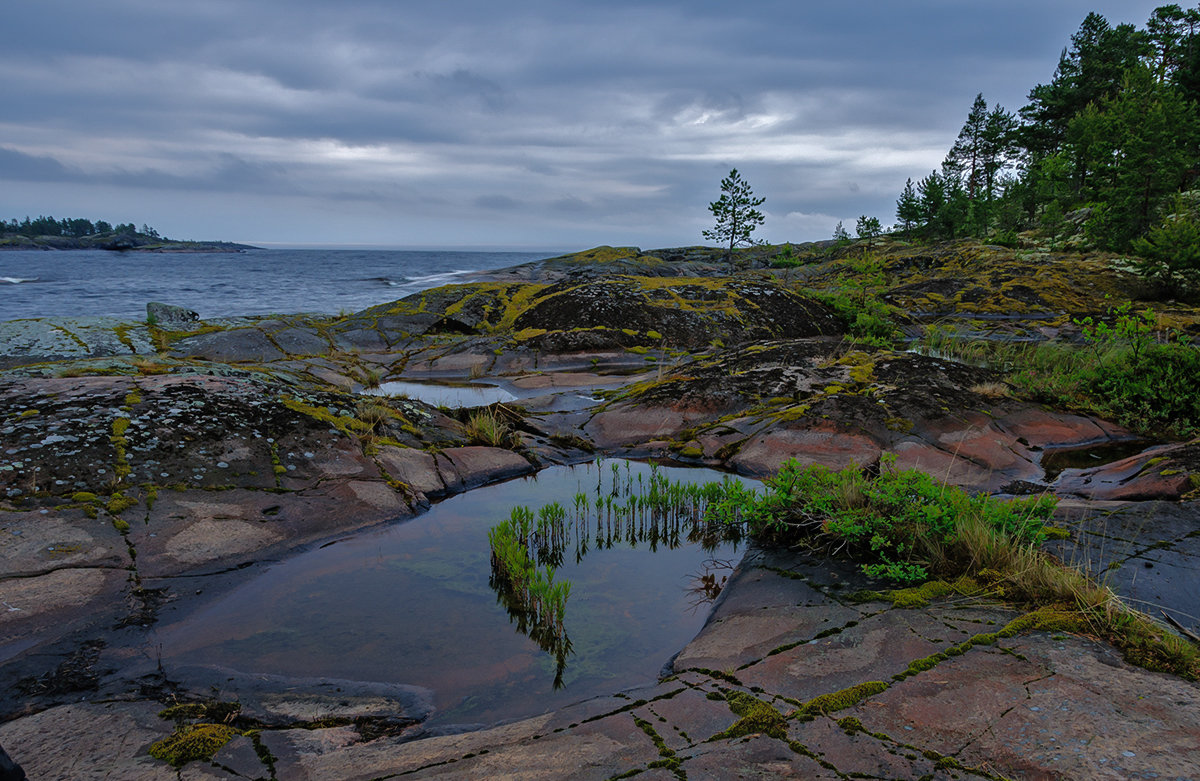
[820, 402]
[683, 312]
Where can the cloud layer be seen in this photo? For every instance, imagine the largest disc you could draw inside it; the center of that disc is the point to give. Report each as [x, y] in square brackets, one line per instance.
[449, 123]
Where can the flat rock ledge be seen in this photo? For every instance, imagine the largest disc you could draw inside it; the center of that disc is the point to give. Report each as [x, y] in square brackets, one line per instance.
[741, 701]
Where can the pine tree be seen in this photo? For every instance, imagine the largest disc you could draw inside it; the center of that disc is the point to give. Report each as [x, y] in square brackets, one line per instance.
[1090, 70]
[964, 161]
[1144, 144]
[931, 194]
[908, 208]
[736, 214]
[868, 229]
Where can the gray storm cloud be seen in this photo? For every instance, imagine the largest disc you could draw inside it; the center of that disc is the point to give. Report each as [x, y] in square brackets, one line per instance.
[557, 124]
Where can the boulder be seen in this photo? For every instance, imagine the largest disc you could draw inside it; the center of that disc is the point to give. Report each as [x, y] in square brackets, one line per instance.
[168, 314]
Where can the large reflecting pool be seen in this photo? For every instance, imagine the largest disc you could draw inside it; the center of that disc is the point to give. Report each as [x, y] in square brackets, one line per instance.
[412, 603]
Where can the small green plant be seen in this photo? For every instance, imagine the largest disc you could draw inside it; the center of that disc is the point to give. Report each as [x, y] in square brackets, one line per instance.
[855, 299]
[1006, 238]
[1130, 329]
[787, 258]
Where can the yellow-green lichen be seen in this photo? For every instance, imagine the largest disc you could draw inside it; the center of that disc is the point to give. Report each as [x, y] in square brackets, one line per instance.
[119, 503]
[190, 742]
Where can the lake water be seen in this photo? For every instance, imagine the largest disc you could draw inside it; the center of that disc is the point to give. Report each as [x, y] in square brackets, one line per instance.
[413, 604]
[96, 282]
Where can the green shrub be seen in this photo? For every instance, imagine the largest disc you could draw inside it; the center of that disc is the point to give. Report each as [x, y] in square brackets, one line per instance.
[1155, 390]
[1170, 251]
[868, 319]
[898, 523]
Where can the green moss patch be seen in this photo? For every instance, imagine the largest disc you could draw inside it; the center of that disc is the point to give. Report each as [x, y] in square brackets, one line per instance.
[190, 742]
[757, 717]
[840, 700]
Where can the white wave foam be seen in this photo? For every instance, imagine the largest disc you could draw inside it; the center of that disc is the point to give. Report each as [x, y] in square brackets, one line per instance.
[426, 279]
[18, 280]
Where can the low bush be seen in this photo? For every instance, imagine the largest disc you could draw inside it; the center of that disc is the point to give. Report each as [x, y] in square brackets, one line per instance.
[900, 523]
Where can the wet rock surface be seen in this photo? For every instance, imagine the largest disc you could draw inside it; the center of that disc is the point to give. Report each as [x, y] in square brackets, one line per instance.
[140, 464]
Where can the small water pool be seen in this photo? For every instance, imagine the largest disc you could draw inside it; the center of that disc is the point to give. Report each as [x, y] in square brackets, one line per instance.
[412, 604]
[443, 395]
[1057, 461]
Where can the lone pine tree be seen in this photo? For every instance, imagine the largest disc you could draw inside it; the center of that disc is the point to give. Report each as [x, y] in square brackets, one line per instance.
[736, 214]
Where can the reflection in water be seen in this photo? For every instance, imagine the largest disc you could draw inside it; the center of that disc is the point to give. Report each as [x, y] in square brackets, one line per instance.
[705, 587]
[527, 550]
[413, 603]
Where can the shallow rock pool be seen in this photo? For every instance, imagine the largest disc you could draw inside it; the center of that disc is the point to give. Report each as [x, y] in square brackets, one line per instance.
[412, 603]
[444, 395]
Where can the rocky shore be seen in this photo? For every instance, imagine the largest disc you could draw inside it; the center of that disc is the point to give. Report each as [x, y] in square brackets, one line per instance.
[142, 463]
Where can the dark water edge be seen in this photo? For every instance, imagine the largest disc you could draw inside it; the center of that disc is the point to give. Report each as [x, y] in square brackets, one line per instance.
[223, 284]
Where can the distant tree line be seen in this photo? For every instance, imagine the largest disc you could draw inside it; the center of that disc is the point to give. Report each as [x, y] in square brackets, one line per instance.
[72, 227]
[1109, 142]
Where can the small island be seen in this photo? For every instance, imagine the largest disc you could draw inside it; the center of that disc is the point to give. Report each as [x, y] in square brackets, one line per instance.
[48, 233]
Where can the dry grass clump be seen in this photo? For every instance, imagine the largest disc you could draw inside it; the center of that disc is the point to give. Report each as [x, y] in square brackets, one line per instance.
[1024, 573]
[145, 366]
[992, 390]
[486, 427]
[370, 377]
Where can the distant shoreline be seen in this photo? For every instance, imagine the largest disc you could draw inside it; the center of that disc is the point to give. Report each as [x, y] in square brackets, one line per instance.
[120, 243]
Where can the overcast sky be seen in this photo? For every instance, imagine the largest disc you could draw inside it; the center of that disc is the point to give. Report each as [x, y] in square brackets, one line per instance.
[535, 124]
